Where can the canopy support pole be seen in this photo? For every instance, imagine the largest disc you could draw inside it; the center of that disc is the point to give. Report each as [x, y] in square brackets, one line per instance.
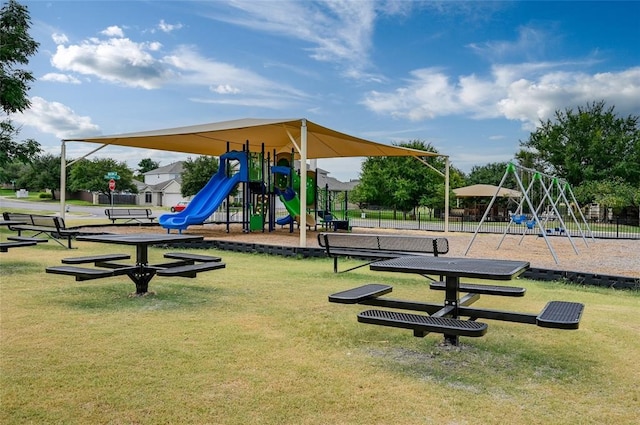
[303, 184]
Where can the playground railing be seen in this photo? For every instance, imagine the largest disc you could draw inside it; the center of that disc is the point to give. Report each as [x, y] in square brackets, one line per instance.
[614, 228]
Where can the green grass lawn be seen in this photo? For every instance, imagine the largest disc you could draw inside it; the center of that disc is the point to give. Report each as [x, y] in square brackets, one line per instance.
[258, 342]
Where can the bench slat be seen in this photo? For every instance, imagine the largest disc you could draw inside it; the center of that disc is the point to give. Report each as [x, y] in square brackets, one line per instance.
[476, 288]
[26, 239]
[4, 246]
[420, 323]
[190, 270]
[194, 257]
[356, 295]
[95, 258]
[81, 273]
[560, 315]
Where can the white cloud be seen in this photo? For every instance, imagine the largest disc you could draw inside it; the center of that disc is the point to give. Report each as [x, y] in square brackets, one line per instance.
[59, 78]
[59, 38]
[57, 119]
[117, 60]
[225, 89]
[527, 93]
[165, 27]
[338, 31]
[113, 31]
[197, 70]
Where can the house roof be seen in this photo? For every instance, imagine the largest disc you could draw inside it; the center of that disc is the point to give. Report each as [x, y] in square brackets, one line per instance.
[173, 168]
[279, 135]
[485, 191]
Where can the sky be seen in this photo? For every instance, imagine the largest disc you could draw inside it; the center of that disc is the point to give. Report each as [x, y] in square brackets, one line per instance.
[472, 78]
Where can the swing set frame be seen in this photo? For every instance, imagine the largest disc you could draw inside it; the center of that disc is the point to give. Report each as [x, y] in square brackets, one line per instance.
[539, 216]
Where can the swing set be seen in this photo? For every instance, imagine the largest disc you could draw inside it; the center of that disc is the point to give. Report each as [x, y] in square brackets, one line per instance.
[542, 198]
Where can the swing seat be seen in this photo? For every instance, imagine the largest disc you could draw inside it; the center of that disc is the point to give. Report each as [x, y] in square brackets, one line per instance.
[518, 218]
[531, 224]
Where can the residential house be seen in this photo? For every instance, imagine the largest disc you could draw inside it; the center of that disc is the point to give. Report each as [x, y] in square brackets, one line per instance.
[162, 186]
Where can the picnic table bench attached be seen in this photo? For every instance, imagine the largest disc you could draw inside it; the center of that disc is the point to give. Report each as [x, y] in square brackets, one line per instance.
[129, 214]
[5, 246]
[376, 247]
[51, 226]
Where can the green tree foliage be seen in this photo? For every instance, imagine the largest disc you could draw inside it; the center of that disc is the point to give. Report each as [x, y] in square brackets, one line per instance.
[42, 173]
[487, 174]
[16, 46]
[403, 183]
[613, 193]
[591, 144]
[147, 164]
[197, 173]
[11, 173]
[90, 175]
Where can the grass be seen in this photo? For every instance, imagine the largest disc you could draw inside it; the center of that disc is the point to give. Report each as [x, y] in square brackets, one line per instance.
[258, 342]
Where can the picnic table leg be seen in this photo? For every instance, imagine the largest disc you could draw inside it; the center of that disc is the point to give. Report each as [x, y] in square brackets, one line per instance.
[143, 274]
[451, 300]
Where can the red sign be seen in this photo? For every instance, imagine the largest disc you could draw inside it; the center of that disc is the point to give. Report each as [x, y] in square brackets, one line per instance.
[112, 184]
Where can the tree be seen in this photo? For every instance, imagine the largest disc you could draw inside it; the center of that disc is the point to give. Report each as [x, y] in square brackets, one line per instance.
[42, 173]
[402, 183]
[487, 174]
[90, 175]
[11, 173]
[147, 165]
[197, 174]
[16, 46]
[588, 145]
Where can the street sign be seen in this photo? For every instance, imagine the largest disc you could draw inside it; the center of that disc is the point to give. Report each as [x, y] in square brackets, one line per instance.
[112, 175]
[112, 184]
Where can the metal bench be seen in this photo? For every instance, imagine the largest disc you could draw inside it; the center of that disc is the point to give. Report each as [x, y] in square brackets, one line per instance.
[476, 288]
[80, 273]
[376, 247]
[359, 294]
[52, 226]
[129, 214]
[192, 257]
[95, 258]
[560, 315]
[421, 325]
[5, 246]
[191, 270]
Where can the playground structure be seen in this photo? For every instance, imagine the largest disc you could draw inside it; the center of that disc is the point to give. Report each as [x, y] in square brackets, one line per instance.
[541, 204]
[260, 182]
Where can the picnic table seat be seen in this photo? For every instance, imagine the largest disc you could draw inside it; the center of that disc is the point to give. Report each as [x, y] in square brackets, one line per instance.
[191, 270]
[560, 315]
[5, 246]
[477, 288]
[421, 325]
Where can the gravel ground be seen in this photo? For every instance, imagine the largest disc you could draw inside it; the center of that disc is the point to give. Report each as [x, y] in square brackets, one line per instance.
[616, 257]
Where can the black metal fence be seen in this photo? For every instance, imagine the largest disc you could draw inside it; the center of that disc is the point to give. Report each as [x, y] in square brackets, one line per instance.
[616, 228]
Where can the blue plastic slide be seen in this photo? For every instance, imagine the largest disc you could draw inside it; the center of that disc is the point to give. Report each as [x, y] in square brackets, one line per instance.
[205, 202]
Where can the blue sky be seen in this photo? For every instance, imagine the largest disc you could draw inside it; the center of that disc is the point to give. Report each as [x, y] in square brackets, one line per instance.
[472, 78]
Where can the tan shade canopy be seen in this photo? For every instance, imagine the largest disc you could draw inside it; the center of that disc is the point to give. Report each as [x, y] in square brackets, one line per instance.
[281, 135]
[485, 191]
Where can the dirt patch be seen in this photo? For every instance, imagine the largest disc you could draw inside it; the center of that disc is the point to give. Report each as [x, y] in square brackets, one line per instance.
[618, 257]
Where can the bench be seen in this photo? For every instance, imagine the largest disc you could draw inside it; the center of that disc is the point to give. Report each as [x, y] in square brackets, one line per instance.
[192, 257]
[129, 214]
[80, 273]
[421, 325]
[95, 258]
[52, 226]
[375, 247]
[359, 294]
[191, 270]
[5, 246]
[476, 288]
[560, 315]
